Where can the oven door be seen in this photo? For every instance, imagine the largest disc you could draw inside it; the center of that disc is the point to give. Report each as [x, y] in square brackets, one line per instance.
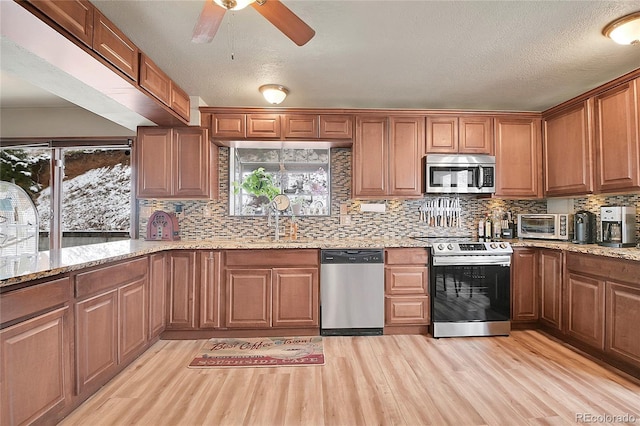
[470, 299]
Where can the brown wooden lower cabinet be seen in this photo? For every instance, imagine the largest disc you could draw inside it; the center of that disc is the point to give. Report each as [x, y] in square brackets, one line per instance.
[622, 318]
[550, 267]
[96, 340]
[295, 298]
[248, 298]
[158, 275]
[524, 285]
[35, 369]
[111, 320]
[210, 270]
[181, 301]
[585, 309]
[406, 287]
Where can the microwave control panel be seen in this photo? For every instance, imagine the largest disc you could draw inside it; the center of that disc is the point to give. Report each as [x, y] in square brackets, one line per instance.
[487, 176]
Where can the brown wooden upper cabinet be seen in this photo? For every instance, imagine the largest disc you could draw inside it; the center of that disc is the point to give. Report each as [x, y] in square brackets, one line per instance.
[448, 134]
[175, 163]
[74, 16]
[617, 138]
[387, 157]
[306, 127]
[568, 151]
[114, 46]
[154, 80]
[518, 157]
[180, 101]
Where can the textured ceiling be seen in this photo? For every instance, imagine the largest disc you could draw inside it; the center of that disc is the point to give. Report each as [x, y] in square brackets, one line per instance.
[483, 55]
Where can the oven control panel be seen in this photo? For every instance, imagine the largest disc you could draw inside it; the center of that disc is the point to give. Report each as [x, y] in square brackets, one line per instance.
[494, 248]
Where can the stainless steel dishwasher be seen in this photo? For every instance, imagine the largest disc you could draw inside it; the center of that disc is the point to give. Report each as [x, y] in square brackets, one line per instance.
[351, 292]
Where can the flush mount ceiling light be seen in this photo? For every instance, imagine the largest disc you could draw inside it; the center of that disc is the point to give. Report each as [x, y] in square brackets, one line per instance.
[274, 93]
[625, 30]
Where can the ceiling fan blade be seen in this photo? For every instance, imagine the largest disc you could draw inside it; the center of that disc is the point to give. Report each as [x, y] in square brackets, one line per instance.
[208, 22]
[285, 20]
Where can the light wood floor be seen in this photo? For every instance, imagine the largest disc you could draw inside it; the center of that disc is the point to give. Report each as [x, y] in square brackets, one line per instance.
[523, 379]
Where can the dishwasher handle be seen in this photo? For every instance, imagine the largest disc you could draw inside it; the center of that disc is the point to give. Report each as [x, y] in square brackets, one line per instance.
[351, 256]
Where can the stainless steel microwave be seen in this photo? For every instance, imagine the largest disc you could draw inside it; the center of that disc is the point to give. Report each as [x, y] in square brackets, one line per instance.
[460, 174]
[546, 226]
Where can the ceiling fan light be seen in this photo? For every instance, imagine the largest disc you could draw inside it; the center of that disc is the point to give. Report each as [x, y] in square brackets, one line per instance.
[274, 93]
[625, 30]
[233, 4]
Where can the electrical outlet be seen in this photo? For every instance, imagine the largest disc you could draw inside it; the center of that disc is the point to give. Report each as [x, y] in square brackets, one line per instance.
[345, 219]
[343, 208]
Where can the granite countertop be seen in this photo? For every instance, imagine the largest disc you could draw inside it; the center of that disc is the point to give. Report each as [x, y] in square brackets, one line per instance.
[50, 263]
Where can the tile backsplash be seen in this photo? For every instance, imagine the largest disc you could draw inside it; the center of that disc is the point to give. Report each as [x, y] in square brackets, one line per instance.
[210, 219]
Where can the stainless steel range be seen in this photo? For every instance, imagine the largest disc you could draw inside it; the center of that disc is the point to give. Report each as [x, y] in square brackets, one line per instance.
[470, 288]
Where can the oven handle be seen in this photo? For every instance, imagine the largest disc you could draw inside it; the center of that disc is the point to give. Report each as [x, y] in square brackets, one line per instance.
[471, 260]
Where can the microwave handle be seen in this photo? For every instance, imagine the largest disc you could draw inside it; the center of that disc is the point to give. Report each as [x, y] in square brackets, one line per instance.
[480, 177]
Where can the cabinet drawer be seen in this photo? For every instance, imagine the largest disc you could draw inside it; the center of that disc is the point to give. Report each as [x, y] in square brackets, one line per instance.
[406, 310]
[97, 280]
[406, 280]
[406, 256]
[29, 301]
[272, 258]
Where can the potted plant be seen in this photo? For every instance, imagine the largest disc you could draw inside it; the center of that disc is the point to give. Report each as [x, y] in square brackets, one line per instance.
[260, 185]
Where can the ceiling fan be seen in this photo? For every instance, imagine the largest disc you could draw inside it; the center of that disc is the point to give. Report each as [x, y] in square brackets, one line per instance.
[273, 10]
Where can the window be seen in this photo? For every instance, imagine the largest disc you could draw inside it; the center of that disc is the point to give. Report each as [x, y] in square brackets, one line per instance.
[258, 174]
[82, 192]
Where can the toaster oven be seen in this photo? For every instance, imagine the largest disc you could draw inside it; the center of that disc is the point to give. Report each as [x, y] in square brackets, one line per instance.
[546, 226]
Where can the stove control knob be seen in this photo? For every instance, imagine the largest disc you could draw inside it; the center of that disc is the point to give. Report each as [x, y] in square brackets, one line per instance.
[493, 246]
[450, 246]
[440, 246]
[503, 246]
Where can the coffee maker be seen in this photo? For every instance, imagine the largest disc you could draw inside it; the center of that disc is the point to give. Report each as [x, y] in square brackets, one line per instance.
[618, 226]
[584, 227]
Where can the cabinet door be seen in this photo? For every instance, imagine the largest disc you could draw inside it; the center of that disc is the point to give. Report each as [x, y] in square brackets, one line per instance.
[157, 293]
[518, 157]
[180, 101]
[295, 297]
[300, 126]
[405, 156]
[75, 16]
[585, 309]
[617, 124]
[154, 80]
[622, 319]
[524, 285]
[370, 157]
[248, 298]
[404, 280]
[96, 340]
[476, 135]
[228, 126]
[551, 288]
[191, 162]
[35, 369]
[114, 46]
[442, 134]
[133, 320]
[153, 156]
[336, 127]
[568, 152]
[406, 310]
[181, 295]
[263, 126]
[210, 270]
